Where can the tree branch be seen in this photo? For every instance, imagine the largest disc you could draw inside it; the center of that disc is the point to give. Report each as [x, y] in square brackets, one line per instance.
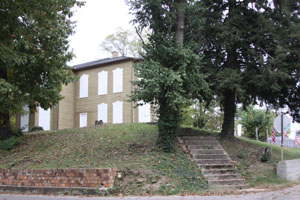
[137, 32]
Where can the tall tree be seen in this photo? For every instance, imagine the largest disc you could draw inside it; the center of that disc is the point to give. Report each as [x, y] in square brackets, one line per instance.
[125, 42]
[251, 52]
[34, 51]
[170, 71]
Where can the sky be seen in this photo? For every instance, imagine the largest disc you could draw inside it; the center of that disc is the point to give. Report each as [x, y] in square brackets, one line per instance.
[94, 21]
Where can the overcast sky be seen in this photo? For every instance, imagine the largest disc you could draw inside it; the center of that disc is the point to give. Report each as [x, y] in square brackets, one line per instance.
[96, 20]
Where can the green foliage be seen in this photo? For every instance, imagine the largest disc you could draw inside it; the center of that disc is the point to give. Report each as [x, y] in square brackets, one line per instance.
[203, 116]
[9, 143]
[256, 118]
[170, 71]
[251, 52]
[169, 87]
[179, 167]
[16, 132]
[34, 52]
[187, 116]
[124, 42]
[289, 153]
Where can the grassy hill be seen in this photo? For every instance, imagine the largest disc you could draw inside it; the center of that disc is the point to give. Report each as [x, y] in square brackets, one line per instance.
[128, 147]
[247, 154]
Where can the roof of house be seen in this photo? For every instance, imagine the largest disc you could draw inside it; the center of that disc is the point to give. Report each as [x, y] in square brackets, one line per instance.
[105, 61]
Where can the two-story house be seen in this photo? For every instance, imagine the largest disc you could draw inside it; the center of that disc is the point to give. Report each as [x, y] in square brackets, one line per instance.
[101, 93]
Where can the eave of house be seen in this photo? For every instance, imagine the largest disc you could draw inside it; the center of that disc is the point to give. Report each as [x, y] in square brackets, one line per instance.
[103, 62]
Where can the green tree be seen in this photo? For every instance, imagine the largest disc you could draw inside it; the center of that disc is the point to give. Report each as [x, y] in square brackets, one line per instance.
[203, 115]
[251, 52]
[252, 118]
[170, 71]
[125, 42]
[34, 51]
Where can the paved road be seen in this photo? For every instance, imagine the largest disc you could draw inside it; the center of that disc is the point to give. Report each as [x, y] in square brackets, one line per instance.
[292, 193]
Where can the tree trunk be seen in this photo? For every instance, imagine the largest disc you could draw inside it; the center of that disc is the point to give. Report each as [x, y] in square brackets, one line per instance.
[5, 130]
[169, 118]
[180, 22]
[229, 113]
[168, 125]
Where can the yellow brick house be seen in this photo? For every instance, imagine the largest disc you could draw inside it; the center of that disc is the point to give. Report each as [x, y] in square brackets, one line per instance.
[101, 93]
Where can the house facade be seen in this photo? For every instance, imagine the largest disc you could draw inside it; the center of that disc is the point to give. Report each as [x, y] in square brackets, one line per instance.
[101, 93]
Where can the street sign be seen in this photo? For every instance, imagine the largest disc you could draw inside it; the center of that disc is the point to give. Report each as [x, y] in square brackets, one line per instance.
[282, 124]
[286, 123]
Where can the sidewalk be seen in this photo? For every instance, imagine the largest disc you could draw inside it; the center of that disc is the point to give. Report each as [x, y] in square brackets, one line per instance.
[292, 193]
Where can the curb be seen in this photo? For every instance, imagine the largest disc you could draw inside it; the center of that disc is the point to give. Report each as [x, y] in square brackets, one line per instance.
[53, 190]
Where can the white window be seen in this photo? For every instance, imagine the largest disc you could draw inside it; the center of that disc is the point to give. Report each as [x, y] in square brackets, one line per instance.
[102, 112]
[44, 118]
[25, 119]
[144, 112]
[83, 120]
[118, 112]
[102, 82]
[84, 86]
[117, 80]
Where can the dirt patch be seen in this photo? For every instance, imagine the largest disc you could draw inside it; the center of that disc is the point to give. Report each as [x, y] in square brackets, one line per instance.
[140, 181]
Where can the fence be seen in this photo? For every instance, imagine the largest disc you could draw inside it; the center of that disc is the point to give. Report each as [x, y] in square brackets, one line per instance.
[286, 142]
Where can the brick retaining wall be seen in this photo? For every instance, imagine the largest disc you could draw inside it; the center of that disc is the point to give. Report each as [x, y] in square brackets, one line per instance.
[59, 177]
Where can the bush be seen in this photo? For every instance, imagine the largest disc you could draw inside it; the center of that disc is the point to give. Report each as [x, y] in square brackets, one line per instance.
[9, 143]
[16, 132]
[256, 118]
[36, 128]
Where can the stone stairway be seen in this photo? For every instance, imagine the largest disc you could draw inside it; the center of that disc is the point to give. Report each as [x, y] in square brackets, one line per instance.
[211, 158]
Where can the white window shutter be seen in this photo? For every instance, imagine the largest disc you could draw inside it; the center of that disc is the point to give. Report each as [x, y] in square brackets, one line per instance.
[44, 118]
[118, 80]
[102, 82]
[118, 112]
[144, 112]
[83, 120]
[102, 112]
[25, 119]
[84, 86]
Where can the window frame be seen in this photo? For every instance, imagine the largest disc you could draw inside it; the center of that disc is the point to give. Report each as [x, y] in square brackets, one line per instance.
[84, 78]
[102, 90]
[117, 81]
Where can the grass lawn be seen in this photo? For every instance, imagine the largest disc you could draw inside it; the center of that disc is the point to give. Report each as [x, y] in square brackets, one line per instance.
[246, 153]
[128, 147]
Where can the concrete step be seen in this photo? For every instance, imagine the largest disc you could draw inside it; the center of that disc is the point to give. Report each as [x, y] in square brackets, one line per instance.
[198, 138]
[200, 142]
[205, 147]
[218, 171]
[210, 156]
[207, 151]
[223, 176]
[227, 182]
[212, 161]
[240, 186]
[216, 166]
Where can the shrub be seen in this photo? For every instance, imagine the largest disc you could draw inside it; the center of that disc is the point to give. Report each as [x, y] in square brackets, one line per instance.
[16, 132]
[256, 118]
[37, 128]
[9, 143]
